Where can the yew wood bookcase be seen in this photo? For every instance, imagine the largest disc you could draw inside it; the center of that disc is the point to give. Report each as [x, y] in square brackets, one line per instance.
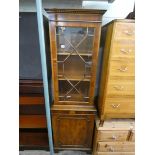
[74, 41]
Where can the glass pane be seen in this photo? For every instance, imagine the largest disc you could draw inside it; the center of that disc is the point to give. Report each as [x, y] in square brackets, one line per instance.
[74, 49]
[74, 91]
[74, 67]
[71, 38]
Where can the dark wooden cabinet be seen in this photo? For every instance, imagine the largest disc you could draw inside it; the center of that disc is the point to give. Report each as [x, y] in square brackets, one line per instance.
[32, 122]
[32, 119]
[74, 42]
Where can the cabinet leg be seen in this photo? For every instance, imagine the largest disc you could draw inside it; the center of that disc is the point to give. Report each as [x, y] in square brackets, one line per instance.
[101, 123]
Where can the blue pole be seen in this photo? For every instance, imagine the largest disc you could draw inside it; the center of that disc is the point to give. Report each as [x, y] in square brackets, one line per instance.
[44, 72]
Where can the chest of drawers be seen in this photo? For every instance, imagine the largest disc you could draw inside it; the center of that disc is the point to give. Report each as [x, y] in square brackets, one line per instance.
[115, 137]
[117, 89]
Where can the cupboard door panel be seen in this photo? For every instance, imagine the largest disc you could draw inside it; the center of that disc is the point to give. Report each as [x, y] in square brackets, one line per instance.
[74, 131]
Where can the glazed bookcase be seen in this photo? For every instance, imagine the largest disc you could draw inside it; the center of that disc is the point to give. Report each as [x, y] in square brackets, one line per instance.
[74, 42]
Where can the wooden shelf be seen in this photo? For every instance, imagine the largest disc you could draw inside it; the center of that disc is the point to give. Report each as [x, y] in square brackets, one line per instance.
[73, 79]
[74, 54]
[74, 97]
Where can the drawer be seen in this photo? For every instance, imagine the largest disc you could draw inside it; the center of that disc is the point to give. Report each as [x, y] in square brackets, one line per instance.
[120, 100]
[115, 153]
[124, 31]
[33, 137]
[31, 100]
[107, 136]
[32, 121]
[32, 109]
[115, 147]
[121, 87]
[116, 124]
[119, 105]
[123, 48]
[122, 68]
[29, 87]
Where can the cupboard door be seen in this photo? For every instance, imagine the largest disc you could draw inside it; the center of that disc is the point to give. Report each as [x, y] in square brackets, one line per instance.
[74, 58]
[73, 131]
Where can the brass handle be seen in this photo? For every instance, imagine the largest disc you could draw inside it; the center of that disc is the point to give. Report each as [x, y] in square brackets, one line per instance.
[128, 33]
[111, 149]
[125, 51]
[114, 137]
[119, 87]
[123, 69]
[115, 105]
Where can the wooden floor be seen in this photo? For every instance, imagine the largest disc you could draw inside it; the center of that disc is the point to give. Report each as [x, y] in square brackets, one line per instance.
[47, 153]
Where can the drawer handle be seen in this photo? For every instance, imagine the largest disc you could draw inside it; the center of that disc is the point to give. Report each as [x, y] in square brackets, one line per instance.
[119, 87]
[125, 51]
[115, 105]
[114, 137]
[111, 149]
[128, 33]
[123, 69]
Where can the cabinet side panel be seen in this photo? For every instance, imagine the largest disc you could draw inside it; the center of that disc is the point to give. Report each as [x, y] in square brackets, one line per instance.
[53, 59]
[104, 75]
[95, 62]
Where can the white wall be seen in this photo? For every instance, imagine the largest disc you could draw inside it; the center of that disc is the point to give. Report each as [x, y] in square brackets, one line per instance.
[118, 10]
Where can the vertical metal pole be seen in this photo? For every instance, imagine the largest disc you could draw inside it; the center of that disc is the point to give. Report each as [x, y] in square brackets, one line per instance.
[44, 72]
